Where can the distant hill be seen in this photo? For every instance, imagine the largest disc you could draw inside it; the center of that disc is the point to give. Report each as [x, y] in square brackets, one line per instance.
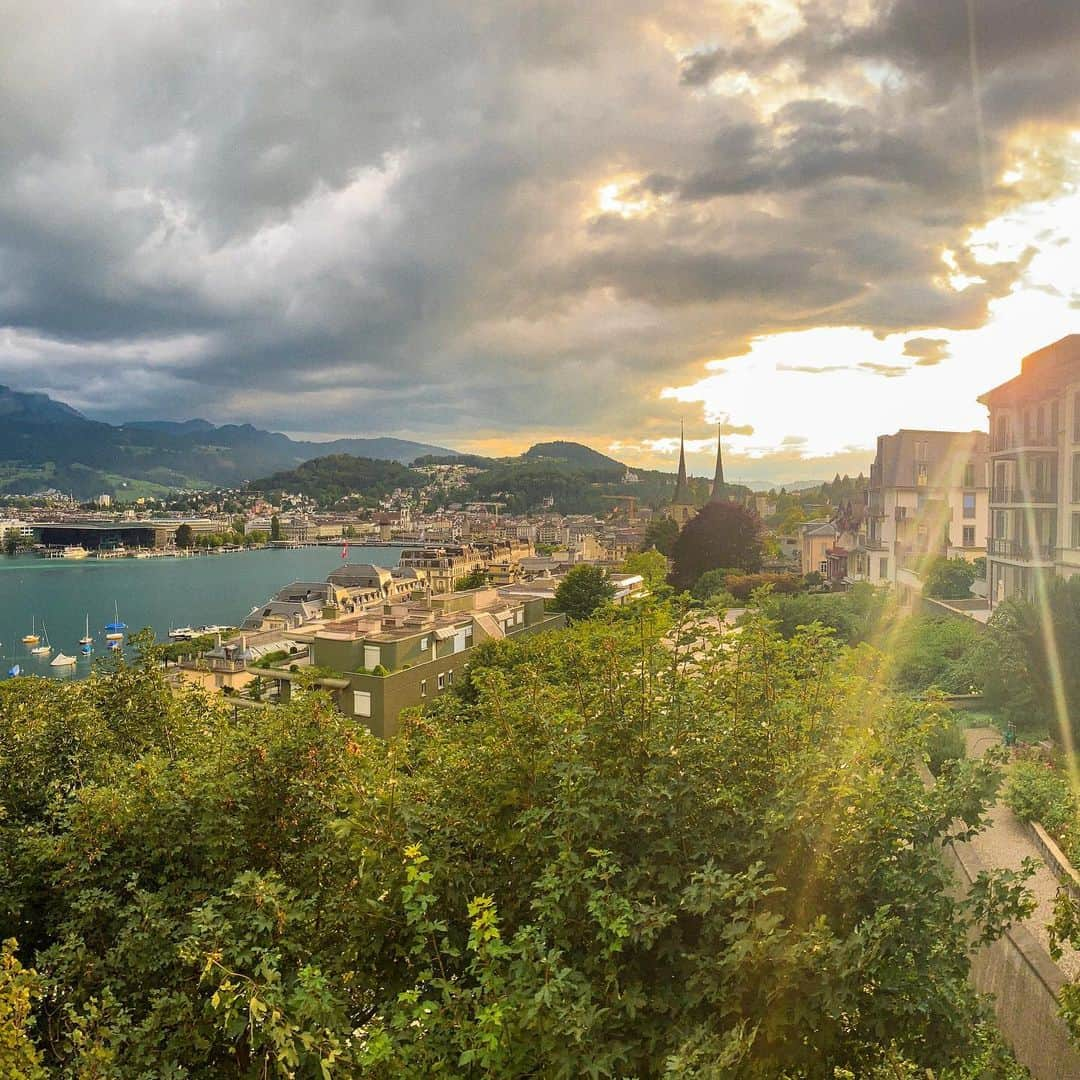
[578, 454]
[330, 479]
[47, 444]
[34, 408]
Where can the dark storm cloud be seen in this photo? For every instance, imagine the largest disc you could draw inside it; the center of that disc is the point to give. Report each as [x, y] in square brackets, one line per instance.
[347, 216]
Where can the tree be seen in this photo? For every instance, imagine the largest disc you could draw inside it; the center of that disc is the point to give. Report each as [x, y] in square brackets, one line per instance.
[587, 858]
[185, 536]
[651, 565]
[722, 534]
[949, 579]
[661, 534]
[711, 583]
[239, 525]
[582, 591]
[275, 528]
[475, 579]
[11, 544]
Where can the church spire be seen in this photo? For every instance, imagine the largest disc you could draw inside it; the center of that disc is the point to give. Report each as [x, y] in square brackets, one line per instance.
[682, 489]
[718, 477]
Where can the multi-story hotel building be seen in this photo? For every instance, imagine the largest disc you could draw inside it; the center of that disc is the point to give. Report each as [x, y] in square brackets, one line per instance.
[929, 496]
[1035, 458]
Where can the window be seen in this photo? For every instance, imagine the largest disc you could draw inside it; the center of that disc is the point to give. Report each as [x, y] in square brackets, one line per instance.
[1076, 531]
[424, 644]
[1076, 417]
[969, 475]
[361, 703]
[372, 656]
[922, 475]
[449, 678]
[920, 450]
[969, 504]
[423, 687]
[442, 681]
[1055, 420]
[883, 568]
[1076, 478]
[999, 525]
[969, 536]
[1040, 423]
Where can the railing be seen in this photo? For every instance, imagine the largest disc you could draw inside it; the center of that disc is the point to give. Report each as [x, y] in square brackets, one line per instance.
[1019, 495]
[1036, 441]
[1013, 549]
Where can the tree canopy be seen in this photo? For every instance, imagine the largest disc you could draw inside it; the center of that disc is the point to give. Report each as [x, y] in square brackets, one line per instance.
[721, 535]
[949, 579]
[582, 591]
[635, 848]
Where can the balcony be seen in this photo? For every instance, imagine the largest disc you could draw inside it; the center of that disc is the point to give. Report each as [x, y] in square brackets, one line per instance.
[1014, 549]
[1030, 497]
[1021, 443]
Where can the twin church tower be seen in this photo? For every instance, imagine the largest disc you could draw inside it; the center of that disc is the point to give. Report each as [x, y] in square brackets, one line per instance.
[683, 507]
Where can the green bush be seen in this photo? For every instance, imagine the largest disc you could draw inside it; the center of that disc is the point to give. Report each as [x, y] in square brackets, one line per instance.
[937, 652]
[946, 743]
[1036, 792]
[742, 585]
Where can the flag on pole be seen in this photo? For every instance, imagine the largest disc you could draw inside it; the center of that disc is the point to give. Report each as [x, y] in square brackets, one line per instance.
[345, 550]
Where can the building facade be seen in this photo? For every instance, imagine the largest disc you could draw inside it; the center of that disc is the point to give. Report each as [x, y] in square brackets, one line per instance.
[929, 496]
[1035, 460]
[407, 654]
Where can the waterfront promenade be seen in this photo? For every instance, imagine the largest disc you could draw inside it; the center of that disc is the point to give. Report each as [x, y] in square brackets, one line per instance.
[156, 593]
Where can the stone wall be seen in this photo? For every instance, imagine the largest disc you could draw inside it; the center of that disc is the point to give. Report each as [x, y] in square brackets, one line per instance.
[1024, 982]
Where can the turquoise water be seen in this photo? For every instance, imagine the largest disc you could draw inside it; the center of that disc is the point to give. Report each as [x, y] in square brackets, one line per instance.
[159, 593]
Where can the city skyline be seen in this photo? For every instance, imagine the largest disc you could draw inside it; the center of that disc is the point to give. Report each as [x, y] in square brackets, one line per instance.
[813, 221]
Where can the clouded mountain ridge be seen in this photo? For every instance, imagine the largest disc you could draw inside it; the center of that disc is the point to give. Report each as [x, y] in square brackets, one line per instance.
[45, 443]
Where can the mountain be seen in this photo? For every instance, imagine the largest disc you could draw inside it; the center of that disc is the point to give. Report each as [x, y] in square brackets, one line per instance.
[34, 408]
[577, 454]
[47, 444]
[328, 479]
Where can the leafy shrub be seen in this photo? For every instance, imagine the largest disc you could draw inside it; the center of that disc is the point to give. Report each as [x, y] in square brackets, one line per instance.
[1037, 792]
[853, 616]
[742, 585]
[946, 743]
[939, 652]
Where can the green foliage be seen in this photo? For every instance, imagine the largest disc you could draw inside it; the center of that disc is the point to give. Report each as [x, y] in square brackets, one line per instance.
[276, 534]
[476, 579]
[949, 579]
[1037, 792]
[711, 583]
[854, 616]
[946, 743]
[741, 586]
[661, 534]
[980, 568]
[651, 565]
[329, 479]
[185, 536]
[721, 534]
[582, 592]
[947, 654]
[20, 990]
[636, 848]
[1029, 658]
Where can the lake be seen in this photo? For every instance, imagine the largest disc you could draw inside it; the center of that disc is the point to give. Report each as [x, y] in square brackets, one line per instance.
[159, 593]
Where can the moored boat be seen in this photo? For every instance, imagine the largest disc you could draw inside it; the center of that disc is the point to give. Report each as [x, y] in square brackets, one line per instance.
[114, 631]
[86, 639]
[44, 648]
[14, 671]
[61, 659]
[33, 637]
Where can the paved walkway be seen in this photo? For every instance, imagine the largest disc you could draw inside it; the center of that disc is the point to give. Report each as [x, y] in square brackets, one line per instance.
[1004, 844]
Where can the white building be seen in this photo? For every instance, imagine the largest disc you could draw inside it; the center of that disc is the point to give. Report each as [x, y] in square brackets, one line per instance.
[1035, 457]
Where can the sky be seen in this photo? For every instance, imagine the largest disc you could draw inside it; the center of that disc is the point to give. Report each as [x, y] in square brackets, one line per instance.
[487, 223]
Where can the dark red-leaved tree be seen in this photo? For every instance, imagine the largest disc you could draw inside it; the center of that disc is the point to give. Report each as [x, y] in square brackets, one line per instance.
[723, 535]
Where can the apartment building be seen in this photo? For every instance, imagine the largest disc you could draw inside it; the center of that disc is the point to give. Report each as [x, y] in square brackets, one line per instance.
[929, 496]
[406, 654]
[443, 566]
[1035, 461]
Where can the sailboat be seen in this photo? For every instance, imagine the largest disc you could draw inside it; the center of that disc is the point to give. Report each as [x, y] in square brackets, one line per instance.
[32, 638]
[44, 648]
[86, 639]
[61, 659]
[14, 671]
[114, 631]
